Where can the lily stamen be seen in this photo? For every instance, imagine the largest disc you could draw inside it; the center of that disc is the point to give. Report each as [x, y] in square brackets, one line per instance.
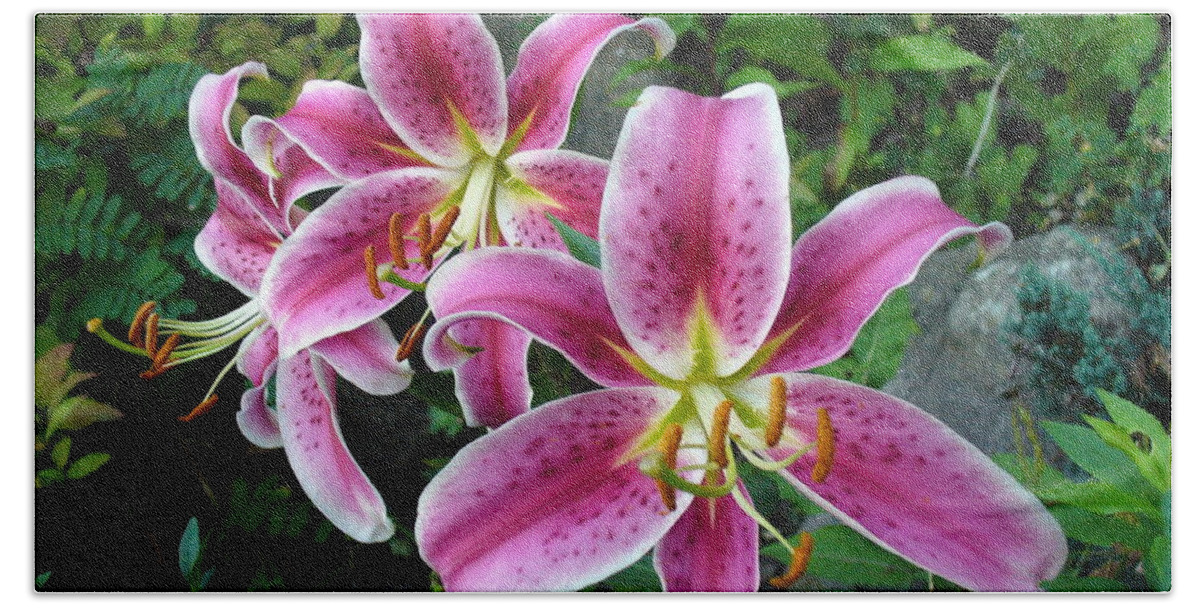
[443, 229]
[138, 325]
[372, 270]
[151, 342]
[669, 446]
[410, 340]
[777, 414]
[396, 241]
[824, 446]
[199, 409]
[424, 237]
[800, 557]
[164, 353]
[720, 428]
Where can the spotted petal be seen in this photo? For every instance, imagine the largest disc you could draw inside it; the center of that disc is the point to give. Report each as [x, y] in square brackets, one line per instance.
[291, 172]
[870, 244]
[695, 216]
[565, 184]
[550, 501]
[492, 385]
[316, 285]
[435, 76]
[366, 356]
[209, 111]
[339, 126]
[236, 244]
[551, 65]
[307, 414]
[713, 547]
[910, 484]
[256, 419]
[553, 296]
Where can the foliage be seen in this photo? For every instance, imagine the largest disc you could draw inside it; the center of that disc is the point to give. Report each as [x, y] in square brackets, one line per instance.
[190, 549]
[56, 410]
[1120, 512]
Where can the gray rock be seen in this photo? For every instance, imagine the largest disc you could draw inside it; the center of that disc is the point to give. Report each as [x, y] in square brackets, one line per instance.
[961, 364]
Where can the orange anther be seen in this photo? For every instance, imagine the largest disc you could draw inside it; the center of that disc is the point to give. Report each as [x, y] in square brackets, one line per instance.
[139, 321]
[824, 446]
[371, 269]
[669, 446]
[396, 241]
[443, 229]
[424, 236]
[777, 413]
[151, 343]
[199, 409]
[800, 556]
[410, 340]
[720, 428]
[165, 352]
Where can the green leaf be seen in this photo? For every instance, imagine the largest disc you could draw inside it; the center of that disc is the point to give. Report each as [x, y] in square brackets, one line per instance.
[1097, 496]
[798, 42]
[61, 452]
[87, 465]
[47, 476]
[1158, 564]
[1106, 463]
[1102, 530]
[189, 548]
[1156, 464]
[1068, 583]
[581, 246]
[78, 412]
[328, 25]
[682, 23]
[923, 53]
[1153, 107]
[41, 579]
[753, 73]
[841, 554]
[443, 422]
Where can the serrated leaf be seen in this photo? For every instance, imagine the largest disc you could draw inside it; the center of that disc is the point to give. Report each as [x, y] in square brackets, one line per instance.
[581, 246]
[189, 548]
[87, 465]
[923, 53]
[60, 453]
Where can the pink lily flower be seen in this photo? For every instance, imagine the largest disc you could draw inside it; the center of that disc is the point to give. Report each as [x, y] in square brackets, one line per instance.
[254, 216]
[438, 138]
[699, 322]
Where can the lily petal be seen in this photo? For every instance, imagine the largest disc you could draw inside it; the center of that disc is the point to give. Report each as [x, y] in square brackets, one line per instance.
[340, 127]
[558, 299]
[291, 172]
[307, 414]
[256, 420]
[209, 110]
[423, 69]
[713, 547]
[315, 286]
[695, 213]
[844, 267]
[257, 354]
[493, 384]
[566, 184]
[551, 65]
[366, 356]
[910, 484]
[552, 500]
[235, 244]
